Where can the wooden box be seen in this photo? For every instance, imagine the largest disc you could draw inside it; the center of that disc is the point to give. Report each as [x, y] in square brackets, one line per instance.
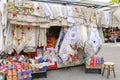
[93, 69]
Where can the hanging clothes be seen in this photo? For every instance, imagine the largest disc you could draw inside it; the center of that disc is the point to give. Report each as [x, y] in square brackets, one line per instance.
[117, 16]
[107, 17]
[67, 50]
[30, 35]
[9, 38]
[98, 17]
[70, 18]
[83, 36]
[3, 21]
[56, 10]
[64, 11]
[1, 39]
[100, 30]
[81, 56]
[3, 13]
[87, 13]
[38, 10]
[37, 35]
[42, 37]
[48, 11]
[18, 38]
[95, 39]
[94, 42]
[60, 40]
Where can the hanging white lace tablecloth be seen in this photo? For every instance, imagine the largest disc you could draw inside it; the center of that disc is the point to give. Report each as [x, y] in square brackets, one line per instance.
[9, 38]
[18, 38]
[94, 43]
[3, 21]
[30, 38]
[42, 37]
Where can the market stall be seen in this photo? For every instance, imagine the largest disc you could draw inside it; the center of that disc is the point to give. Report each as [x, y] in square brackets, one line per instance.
[43, 35]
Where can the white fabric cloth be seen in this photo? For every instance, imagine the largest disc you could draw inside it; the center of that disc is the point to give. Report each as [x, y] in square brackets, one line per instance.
[83, 36]
[18, 38]
[3, 21]
[94, 42]
[43, 6]
[71, 37]
[95, 39]
[30, 36]
[64, 11]
[9, 38]
[42, 37]
[48, 11]
[56, 47]
[70, 18]
[117, 13]
[38, 10]
[87, 13]
[98, 17]
[107, 17]
[1, 39]
[56, 10]
[3, 13]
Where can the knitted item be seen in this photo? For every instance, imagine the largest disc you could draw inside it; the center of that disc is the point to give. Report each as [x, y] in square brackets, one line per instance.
[29, 74]
[95, 62]
[1, 77]
[24, 74]
[9, 73]
[102, 60]
[29, 78]
[19, 73]
[92, 62]
[14, 72]
[9, 77]
[40, 60]
[87, 60]
[15, 78]
[25, 78]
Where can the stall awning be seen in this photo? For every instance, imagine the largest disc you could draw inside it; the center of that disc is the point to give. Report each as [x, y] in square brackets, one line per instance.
[55, 12]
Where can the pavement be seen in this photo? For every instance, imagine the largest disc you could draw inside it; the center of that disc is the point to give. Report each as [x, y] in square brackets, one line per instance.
[110, 52]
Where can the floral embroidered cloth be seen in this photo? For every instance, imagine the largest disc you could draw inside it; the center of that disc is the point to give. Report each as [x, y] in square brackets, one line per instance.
[94, 42]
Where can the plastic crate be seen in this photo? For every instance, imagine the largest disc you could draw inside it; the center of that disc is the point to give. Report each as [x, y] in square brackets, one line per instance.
[41, 74]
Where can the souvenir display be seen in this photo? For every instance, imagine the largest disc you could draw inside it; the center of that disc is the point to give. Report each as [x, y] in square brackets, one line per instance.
[94, 61]
[52, 35]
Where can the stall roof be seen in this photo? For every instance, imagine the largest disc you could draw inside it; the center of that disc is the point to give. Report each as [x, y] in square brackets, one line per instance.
[25, 5]
[88, 3]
